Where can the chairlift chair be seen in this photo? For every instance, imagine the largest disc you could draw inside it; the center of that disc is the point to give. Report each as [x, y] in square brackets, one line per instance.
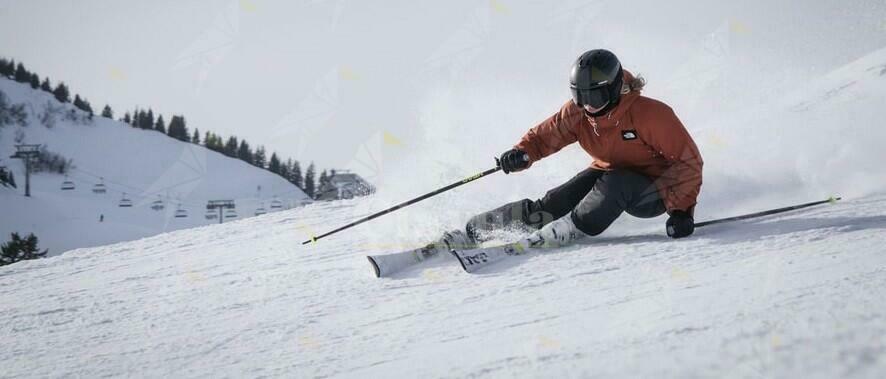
[230, 213]
[260, 211]
[276, 204]
[125, 202]
[67, 185]
[181, 212]
[211, 215]
[157, 205]
[99, 187]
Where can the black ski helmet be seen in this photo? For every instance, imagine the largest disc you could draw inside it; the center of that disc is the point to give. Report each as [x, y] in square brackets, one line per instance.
[596, 79]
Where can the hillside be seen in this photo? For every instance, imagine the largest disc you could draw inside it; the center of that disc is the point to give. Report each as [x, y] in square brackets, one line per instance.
[145, 165]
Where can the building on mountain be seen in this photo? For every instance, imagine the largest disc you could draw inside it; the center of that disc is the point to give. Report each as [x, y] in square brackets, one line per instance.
[343, 185]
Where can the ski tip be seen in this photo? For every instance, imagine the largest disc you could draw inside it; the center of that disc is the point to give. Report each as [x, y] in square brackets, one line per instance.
[461, 262]
[834, 199]
[374, 266]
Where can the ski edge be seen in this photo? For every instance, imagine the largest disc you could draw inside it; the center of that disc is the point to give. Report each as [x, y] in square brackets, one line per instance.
[374, 266]
[460, 261]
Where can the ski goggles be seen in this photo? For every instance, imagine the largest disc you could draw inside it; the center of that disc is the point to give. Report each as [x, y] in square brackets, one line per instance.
[597, 96]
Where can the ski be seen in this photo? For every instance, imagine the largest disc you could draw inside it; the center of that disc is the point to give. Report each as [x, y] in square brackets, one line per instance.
[474, 259]
[387, 264]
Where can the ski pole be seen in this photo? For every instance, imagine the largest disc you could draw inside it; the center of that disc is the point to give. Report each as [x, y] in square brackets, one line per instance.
[766, 213]
[407, 203]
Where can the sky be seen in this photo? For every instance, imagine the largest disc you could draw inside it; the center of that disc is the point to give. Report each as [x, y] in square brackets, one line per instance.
[369, 85]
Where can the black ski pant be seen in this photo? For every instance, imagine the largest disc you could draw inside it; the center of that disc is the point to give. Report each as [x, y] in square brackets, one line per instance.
[594, 197]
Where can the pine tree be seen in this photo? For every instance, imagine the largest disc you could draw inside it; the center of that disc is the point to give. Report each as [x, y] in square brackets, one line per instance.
[244, 152]
[274, 164]
[107, 112]
[18, 249]
[149, 119]
[295, 175]
[134, 121]
[35, 81]
[61, 93]
[21, 74]
[142, 122]
[195, 139]
[87, 107]
[160, 125]
[178, 129]
[259, 159]
[231, 147]
[285, 167]
[127, 118]
[7, 68]
[309, 181]
[324, 178]
[82, 104]
[46, 86]
[207, 141]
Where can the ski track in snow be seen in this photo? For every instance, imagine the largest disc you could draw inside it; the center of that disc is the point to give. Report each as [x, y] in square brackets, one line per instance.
[786, 296]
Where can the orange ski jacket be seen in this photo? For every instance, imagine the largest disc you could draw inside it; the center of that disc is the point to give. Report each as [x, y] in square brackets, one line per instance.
[640, 134]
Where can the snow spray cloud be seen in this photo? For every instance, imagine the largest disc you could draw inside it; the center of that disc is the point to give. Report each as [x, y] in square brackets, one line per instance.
[727, 71]
[728, 76]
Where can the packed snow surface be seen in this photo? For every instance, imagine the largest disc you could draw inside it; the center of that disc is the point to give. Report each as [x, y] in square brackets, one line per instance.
[794, 295]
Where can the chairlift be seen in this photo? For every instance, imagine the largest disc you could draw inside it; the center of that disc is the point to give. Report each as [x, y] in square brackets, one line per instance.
[260, 211]
[181, 212]
[125, 202]
[211, 214]
[230, 213]
[157, 205]
[276, 204]
[67, 185]
[100, 187]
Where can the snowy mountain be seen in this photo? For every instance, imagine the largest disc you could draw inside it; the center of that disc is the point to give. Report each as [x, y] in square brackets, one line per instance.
[144, 167]
[794, 295]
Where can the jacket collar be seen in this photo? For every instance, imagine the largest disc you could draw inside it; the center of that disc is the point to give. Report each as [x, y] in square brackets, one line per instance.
[614, 116]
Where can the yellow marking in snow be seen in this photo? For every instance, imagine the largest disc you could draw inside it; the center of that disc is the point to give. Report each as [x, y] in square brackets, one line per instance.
[389, 139]
[738, 27]
[116, 74]
[548, 343]
[247, 6]
[498, 7]
[347, 74]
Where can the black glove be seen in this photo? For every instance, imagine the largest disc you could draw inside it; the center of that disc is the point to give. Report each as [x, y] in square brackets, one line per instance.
[680, 224]
[513, 160]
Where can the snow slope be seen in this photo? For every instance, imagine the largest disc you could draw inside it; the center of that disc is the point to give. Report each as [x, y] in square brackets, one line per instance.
[793, 295]
[144, 165]
[798, 295]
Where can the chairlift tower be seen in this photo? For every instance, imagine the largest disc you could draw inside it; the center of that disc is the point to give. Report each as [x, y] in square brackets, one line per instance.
[27, 153]
[221, 205]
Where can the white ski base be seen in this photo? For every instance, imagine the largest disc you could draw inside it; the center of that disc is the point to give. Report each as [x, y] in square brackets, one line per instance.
[387, 264]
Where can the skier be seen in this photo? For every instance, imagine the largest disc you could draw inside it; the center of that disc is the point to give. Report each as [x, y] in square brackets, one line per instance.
[645, 163]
